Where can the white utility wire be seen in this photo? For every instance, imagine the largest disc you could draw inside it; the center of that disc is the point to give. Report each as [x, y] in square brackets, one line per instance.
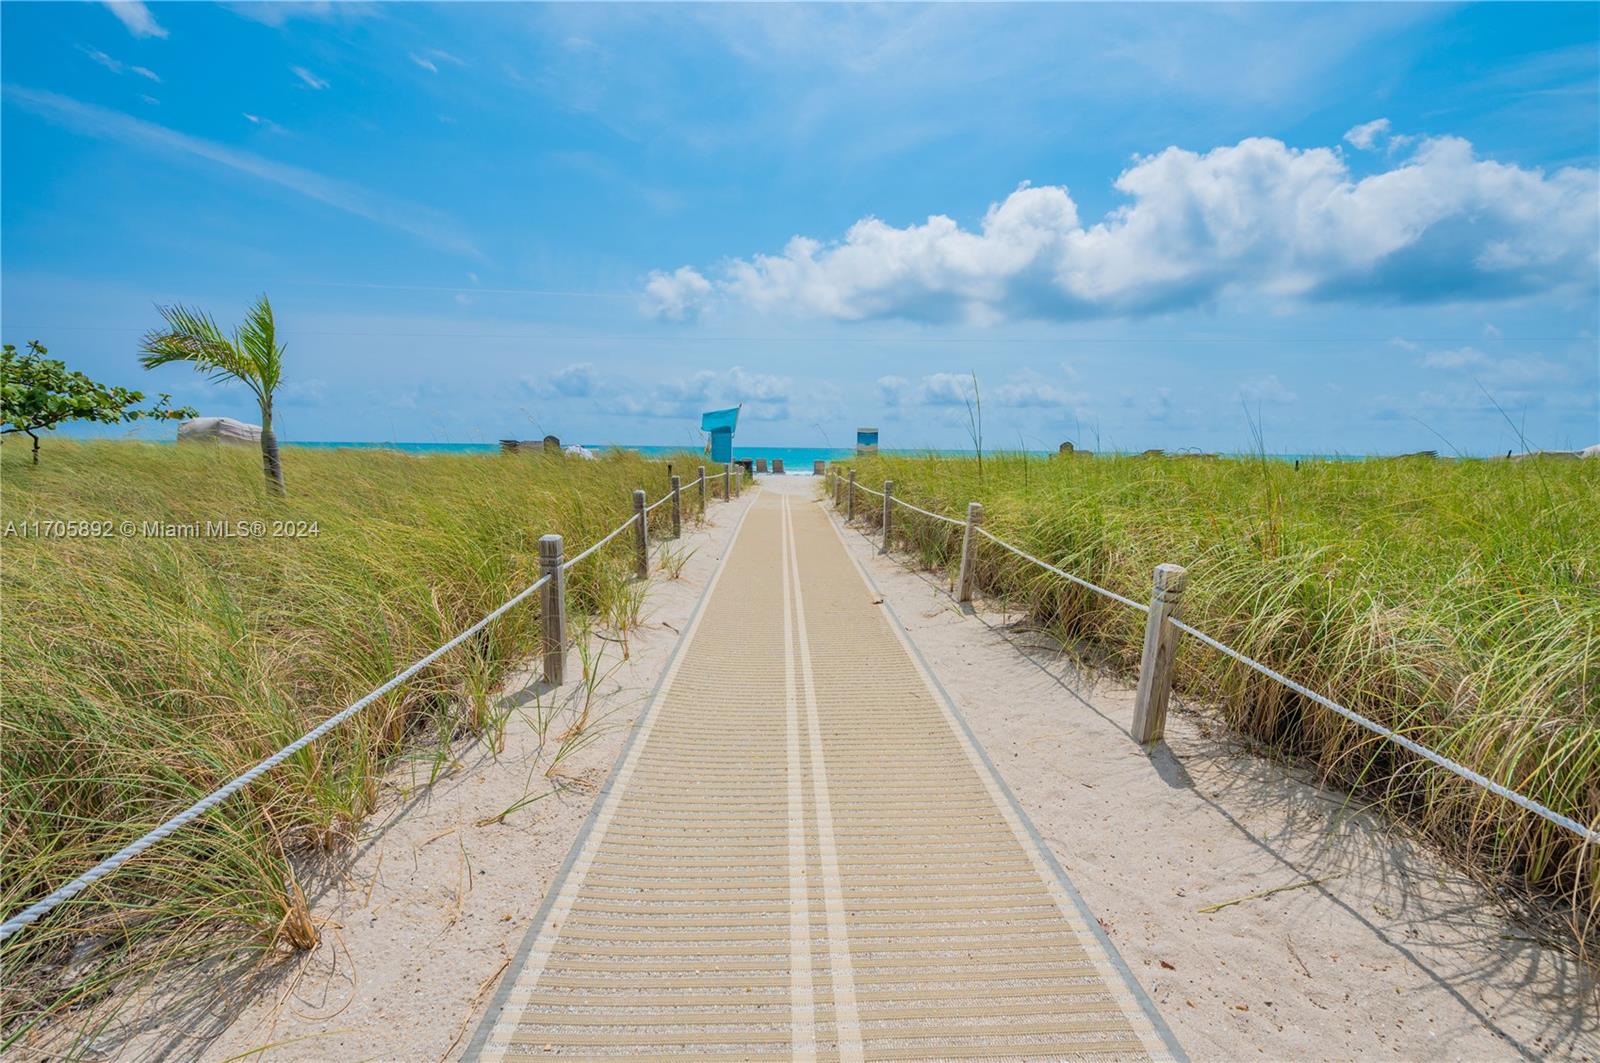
[105, 867]
[1586, 833]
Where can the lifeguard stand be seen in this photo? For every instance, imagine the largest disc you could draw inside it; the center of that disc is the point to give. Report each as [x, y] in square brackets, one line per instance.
[720, 424]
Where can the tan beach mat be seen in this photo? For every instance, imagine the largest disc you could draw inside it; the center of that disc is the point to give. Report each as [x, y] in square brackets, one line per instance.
[802, 854]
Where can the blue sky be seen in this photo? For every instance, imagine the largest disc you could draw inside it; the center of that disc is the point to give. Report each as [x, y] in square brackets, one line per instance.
[1374, 227]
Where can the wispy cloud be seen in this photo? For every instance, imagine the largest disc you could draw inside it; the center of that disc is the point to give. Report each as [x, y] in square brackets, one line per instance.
[116, 66]
[278, 13]
[134, 15]
[1366, 135]
[422, 222]
[311, 80]
[430, 58]
[1266, 389]
[265, 123]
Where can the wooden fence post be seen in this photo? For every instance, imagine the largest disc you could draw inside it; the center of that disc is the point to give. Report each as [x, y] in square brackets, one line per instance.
[677, 508]
[727, 482]
[1160, 649]
[819, 467]
[969, 552]
[850, 506]
[669, 472]
[641, 538]
[888, 511]
[553, 609]
[702, 482]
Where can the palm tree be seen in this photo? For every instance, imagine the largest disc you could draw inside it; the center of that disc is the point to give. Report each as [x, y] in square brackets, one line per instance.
[253, 356]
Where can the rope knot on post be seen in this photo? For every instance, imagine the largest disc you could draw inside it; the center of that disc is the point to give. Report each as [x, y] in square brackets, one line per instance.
[969, 552]
[888, 511]
[677, 508]
[1159, 653]
[641, 535]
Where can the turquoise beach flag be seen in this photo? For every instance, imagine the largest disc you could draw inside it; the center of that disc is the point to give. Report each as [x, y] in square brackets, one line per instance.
[720, 423]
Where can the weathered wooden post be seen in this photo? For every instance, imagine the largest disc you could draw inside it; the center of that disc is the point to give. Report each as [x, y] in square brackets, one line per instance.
[850, 508]
[818, 467]
[669, 472]
[641, 537]
[727, 482]
[702, 483]
[888, 511]
[969, 552]
[1160, 649]
[677, 509]
[553, 609]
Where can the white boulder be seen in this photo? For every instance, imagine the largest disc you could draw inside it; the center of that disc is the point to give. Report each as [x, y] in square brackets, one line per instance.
[219, 430]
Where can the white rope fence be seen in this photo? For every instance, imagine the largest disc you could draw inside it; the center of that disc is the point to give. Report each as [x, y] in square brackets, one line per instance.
[38, 909]
[1079, 580]
[1586, 833]
[926, 513]
[1155, 666]
[618, 530]
[34, 911]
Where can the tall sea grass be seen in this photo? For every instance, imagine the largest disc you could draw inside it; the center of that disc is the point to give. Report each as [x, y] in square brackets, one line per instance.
[1455, 601]
[139, 672]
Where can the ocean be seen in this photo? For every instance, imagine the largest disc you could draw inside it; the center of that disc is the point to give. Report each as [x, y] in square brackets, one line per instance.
[797, 461]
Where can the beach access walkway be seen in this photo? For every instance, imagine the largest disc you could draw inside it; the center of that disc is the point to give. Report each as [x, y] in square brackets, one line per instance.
[802, 853]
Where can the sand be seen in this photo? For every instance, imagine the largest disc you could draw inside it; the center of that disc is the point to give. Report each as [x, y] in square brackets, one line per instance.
[1382, 950]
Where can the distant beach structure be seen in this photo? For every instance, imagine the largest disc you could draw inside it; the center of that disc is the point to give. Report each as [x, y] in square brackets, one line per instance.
[720, 424]
[866, 440]
[219, 430]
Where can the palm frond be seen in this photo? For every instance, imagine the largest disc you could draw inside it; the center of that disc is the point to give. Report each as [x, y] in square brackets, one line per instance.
[191, 336]
[257, 340]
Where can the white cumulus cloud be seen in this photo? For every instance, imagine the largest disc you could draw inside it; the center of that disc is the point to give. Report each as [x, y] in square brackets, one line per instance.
[1257, 218]
[676, 295]
[137, 17]
[1367, 134]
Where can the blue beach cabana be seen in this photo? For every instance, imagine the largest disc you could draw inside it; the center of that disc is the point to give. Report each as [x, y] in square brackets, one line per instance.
[720, 424]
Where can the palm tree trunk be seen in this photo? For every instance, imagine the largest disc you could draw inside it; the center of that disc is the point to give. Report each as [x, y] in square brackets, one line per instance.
[271, 464]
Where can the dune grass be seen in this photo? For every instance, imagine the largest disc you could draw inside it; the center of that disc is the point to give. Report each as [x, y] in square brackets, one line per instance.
[138, 673]
[1455, 601]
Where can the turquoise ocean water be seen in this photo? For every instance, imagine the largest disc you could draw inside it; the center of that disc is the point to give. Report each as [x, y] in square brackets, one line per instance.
[796, 460]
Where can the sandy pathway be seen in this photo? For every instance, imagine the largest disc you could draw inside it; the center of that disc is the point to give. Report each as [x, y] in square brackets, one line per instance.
[803, 855]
